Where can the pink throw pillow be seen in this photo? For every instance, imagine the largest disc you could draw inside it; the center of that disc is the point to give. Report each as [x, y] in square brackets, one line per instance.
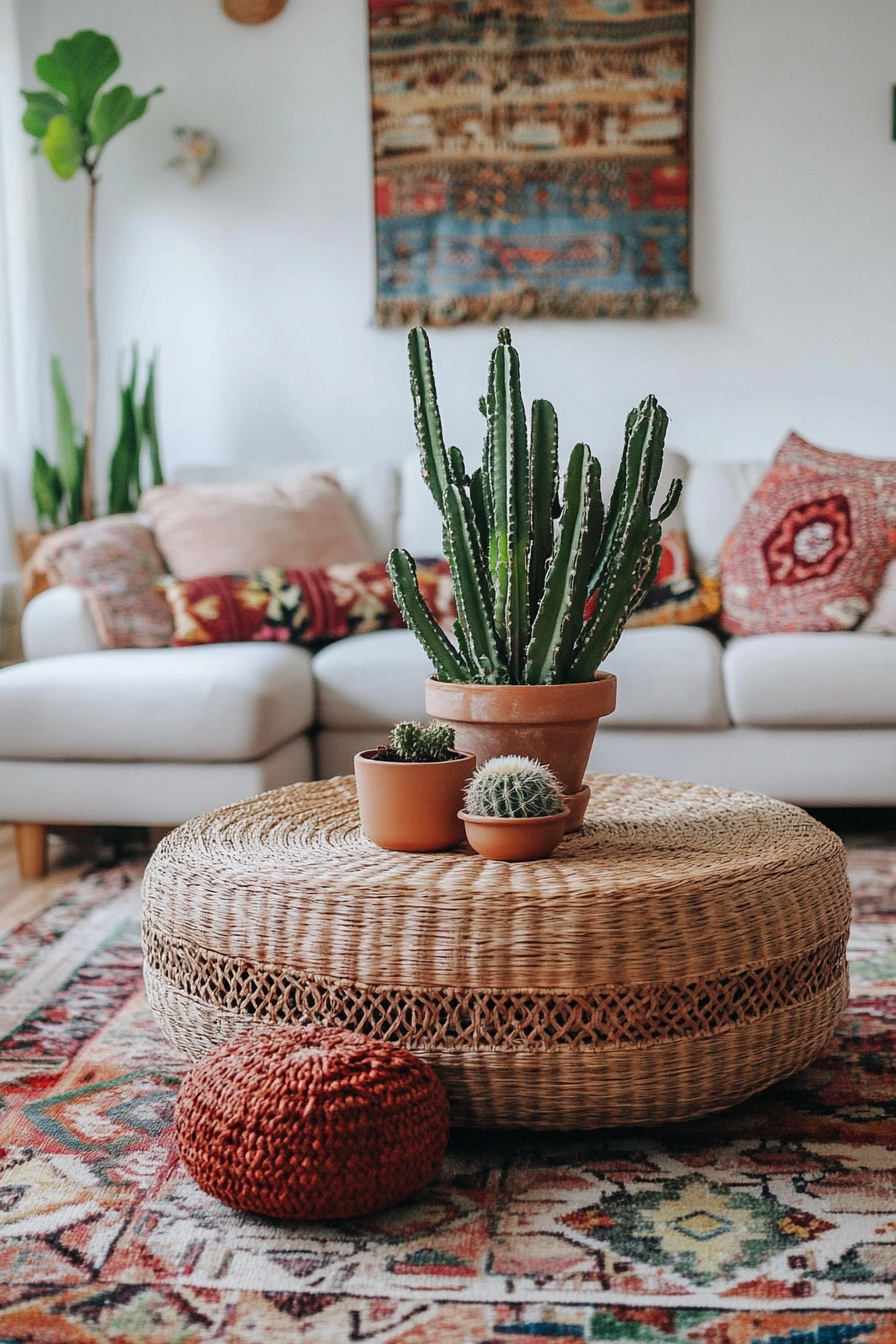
[117, 564]
[233, 529]
[810, 547]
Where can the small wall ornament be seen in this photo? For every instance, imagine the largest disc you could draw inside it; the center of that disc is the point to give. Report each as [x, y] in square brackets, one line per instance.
[252, 11]
[199, 152]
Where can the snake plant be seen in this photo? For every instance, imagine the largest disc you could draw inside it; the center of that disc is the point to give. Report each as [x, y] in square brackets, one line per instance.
[544, 580]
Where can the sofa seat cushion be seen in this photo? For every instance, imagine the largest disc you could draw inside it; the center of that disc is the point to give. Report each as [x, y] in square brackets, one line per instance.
[834, 680]
[668, 677]
[371, 682]
[227, 702]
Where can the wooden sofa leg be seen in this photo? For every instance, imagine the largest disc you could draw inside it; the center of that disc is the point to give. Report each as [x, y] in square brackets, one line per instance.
[31, 848]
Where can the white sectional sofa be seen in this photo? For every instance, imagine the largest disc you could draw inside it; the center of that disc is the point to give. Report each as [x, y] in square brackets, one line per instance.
[155, 736]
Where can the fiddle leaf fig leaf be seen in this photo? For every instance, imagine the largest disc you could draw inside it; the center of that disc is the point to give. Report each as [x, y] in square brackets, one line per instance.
[116, 109]
[77, 67]
[64, 147]
[42, 107]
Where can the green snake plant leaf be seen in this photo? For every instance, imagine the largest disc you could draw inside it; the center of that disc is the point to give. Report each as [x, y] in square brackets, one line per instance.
[122, 496]
[46, 489]
[447, 662]
[150, 425]
[64, 147]
[67, 438]
[116, 109]
[78, 67]
[42, 107]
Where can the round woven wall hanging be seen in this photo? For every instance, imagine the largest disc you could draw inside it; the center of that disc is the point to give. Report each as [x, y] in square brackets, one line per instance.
[252, 11]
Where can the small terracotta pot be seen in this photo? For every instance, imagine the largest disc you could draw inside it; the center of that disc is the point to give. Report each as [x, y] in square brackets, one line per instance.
[515, 839]
[553, 724]
[412, 805]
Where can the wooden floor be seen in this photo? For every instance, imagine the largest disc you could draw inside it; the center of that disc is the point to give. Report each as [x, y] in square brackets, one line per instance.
[21, 900]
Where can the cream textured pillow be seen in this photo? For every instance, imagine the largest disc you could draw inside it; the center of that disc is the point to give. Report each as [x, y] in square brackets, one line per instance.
[238, 529]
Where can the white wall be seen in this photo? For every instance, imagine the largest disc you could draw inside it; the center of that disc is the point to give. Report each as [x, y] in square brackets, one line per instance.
[258, 286]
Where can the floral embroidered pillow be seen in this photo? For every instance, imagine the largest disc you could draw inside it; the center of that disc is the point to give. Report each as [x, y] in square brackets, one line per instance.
[812, 543]
[309, 606]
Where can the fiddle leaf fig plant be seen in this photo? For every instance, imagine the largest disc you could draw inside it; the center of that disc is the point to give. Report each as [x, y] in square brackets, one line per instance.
[544, 578]
[73, 122]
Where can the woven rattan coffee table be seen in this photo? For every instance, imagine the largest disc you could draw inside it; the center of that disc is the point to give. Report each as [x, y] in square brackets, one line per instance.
[684, 950]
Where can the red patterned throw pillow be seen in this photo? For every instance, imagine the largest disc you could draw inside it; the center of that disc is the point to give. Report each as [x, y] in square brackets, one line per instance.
[812, 543]
[298, 606]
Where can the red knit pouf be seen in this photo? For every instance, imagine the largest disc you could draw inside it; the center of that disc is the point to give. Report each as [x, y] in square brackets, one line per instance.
[311, 1122]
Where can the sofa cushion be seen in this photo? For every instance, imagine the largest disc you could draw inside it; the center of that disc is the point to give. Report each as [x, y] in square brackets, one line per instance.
[371, 682]
[668, 677]
[713, 497]
[811, 679]
[228, 702]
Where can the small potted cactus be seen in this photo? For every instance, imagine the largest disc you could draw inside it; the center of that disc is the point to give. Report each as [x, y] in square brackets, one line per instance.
[544, 577]
[514, 810]
[410, 790]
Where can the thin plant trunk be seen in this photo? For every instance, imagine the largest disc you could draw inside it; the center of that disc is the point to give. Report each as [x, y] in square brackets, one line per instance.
[93, 354]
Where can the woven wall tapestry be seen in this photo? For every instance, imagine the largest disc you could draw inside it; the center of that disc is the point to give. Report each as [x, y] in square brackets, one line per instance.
[531, 158]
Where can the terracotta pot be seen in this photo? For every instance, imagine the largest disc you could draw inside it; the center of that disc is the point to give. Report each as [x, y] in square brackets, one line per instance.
[577, 804]
[515, 839]
[412, 805]
[553, 724]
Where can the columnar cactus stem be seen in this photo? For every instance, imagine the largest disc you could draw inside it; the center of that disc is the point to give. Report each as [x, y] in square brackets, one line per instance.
[522, 585]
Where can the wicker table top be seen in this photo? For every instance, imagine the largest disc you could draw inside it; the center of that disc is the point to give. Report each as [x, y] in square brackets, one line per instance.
[678, 913]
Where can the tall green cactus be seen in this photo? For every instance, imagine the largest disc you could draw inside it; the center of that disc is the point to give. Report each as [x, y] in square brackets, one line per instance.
[523, 584]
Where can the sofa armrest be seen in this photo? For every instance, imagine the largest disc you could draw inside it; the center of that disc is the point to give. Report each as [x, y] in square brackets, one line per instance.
[58, 621]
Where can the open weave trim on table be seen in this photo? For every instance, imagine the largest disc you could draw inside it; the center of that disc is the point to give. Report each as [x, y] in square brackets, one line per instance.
[449, 1018]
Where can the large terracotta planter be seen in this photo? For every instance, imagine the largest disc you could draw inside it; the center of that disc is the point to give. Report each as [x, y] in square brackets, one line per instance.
[412, 806]
[552, 724]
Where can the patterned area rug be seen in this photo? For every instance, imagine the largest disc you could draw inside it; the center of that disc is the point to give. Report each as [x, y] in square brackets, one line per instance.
[774, 1222]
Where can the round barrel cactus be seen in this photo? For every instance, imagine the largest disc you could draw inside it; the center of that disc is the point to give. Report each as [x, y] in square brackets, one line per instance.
[514, 786]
